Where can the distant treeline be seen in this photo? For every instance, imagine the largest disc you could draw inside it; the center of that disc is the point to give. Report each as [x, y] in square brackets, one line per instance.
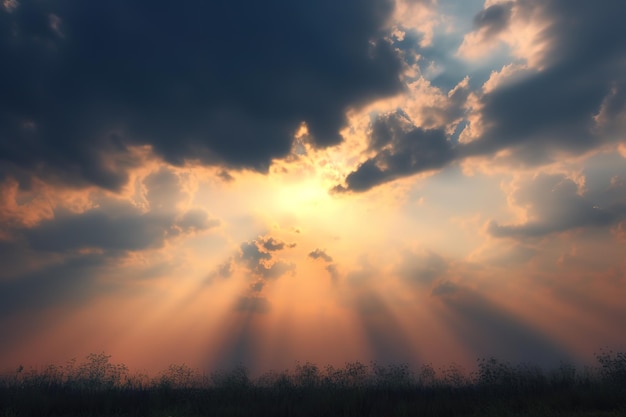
[97, 387]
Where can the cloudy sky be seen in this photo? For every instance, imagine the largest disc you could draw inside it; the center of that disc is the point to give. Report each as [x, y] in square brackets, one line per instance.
[263, 182]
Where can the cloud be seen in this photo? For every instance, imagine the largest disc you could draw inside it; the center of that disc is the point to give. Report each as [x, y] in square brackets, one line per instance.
[119, 225]
[445, 288]
[225, 176]
[553, 109]
[262, 264]
[402, 149]
[383, 332]
[271, 244]
[320, 254]
[257, 256]
[61, 258]
[276, 269]
[163, 191]
[223, 270]
[331, 268]
[195, 220]
[565, 98]
[334, 272]
[125, 230]
[252, 255]
[257, 286]
[210, 82]
[555, 204]
[494, 19]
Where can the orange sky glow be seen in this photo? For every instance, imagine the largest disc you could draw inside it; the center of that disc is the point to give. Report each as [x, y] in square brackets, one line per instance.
[452, 217]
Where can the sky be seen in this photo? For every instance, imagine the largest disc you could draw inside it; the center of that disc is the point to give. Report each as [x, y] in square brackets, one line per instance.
[260, 183]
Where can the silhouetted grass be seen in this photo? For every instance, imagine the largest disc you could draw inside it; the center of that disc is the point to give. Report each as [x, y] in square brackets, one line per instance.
[97, 387]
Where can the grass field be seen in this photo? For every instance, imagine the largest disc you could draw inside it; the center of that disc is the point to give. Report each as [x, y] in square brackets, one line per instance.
[97, 387]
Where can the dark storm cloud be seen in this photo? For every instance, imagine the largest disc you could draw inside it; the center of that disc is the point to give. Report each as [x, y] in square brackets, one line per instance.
[222, 82]
[554, 109]
[555, 205]
[494, 18]
[402, 150]
[571, 105]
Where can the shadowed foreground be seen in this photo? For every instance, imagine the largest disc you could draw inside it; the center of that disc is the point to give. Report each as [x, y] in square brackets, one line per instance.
[97, 387]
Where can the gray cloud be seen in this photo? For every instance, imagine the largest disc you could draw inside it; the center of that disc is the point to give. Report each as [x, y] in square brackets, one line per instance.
[334, 272]
[320, 254]
[163, 191]
[277, 269]
[402, 150]
[61, 260]
[252, 256]
[99, 229]
[494, 18]
[120, 226]
[223, 271]
[553, 110]
[225, 176]
[257, 256]
[570, 106]
[271, 244]
[555, 205]
[214, 82]
[331, 268]
[257, 286]
[196, 220]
